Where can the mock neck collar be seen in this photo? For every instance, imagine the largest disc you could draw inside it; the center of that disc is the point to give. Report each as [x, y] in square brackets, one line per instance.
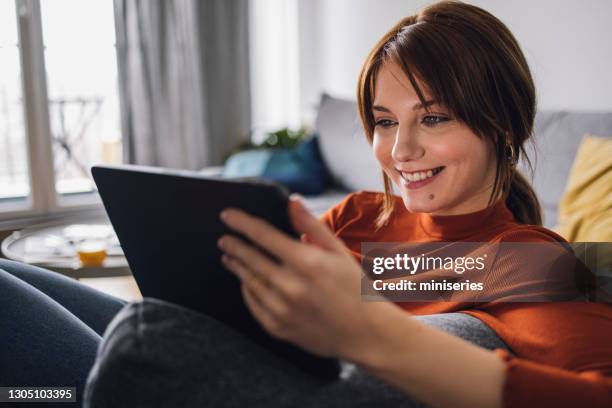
[462, 226]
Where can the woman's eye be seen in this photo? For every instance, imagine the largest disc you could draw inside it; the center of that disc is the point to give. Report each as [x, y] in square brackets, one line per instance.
[433, 120]
[384, 123]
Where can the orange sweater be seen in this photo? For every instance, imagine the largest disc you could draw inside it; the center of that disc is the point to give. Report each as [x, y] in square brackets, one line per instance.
[563, 351]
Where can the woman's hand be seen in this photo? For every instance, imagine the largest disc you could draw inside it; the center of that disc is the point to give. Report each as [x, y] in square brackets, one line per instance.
[311, 296]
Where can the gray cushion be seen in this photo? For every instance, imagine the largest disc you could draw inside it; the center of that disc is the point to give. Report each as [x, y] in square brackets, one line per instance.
[557, 137]
[156, 353]
[344, 147]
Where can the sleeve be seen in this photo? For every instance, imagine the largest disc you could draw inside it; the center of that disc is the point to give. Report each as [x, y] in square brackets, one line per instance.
[530, 384]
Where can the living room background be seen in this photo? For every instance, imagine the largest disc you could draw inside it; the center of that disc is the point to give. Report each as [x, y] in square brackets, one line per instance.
[298, 50]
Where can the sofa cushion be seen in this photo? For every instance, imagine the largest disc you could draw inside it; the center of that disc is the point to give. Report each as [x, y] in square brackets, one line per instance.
[345, 150]
[557, 137]
[300, 169]
[585, 213]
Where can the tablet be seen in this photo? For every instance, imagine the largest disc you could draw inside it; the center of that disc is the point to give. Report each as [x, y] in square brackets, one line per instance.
[168, 225]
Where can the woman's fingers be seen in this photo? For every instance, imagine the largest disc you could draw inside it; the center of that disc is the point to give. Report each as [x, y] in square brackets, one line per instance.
[267, 237]
[248, 255]
[245, 261]
[289, 251]
[261, 313]
[270, 298]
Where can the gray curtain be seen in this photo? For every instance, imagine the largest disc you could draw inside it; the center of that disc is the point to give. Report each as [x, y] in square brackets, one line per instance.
[183, 79]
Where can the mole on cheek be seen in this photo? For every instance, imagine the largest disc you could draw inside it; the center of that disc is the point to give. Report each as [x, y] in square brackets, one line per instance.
[431, 196]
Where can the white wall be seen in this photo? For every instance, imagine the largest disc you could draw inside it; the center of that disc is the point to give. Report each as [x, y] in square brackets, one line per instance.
[568, 45]
[274, 66]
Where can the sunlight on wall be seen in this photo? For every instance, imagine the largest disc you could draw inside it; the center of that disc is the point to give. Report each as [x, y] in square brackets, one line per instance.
[274, 65]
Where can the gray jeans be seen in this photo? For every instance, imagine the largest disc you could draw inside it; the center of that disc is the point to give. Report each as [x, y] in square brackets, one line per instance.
[157, 354]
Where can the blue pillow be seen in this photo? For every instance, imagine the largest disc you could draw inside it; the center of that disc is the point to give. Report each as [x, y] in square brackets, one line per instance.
[300, 169]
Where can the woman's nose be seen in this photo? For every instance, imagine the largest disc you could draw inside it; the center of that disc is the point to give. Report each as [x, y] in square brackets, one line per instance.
[406, 146]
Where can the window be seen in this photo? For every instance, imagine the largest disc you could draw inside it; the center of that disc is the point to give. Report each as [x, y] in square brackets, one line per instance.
[59, 109]
[14, 175]
[80, 60]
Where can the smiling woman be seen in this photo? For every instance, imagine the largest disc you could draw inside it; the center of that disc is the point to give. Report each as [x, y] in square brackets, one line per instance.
[447, 102]
[456, 95]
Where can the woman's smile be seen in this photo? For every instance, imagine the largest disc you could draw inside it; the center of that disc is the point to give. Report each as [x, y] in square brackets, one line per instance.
[419, 178]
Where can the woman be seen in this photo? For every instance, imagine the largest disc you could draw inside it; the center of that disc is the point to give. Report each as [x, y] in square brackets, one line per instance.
[447, 102]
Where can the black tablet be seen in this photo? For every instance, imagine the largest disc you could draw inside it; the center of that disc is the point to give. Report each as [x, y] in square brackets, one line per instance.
[168, 225]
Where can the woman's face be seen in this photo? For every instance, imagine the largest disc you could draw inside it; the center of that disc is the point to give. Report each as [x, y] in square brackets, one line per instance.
[437, 163]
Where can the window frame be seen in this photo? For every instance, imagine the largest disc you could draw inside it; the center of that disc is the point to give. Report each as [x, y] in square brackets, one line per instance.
[43, 202]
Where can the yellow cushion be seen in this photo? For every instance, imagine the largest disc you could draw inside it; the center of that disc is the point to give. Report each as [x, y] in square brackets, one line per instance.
[585, 211]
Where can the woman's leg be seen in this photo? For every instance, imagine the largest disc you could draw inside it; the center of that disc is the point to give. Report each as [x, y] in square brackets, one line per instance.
[92, 307]
[156, 353]
[41, 342]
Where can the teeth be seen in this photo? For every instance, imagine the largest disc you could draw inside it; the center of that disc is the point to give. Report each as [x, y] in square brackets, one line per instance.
[418, 176]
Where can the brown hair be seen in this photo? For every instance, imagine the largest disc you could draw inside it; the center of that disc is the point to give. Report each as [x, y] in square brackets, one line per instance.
[472, 64]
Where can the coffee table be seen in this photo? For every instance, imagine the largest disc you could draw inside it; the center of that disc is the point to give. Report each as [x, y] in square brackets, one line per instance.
[53, 246]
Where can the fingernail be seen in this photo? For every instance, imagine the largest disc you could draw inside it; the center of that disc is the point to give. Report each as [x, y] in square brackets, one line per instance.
[223, 215]
[221, 242]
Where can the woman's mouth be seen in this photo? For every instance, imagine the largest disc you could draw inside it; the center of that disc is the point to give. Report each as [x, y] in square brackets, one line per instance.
[418, 179]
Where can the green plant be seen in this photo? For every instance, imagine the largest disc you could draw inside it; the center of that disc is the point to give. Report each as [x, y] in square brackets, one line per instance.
[284, 138]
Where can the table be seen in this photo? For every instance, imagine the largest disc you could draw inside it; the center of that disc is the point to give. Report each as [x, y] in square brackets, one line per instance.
[36, 246]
